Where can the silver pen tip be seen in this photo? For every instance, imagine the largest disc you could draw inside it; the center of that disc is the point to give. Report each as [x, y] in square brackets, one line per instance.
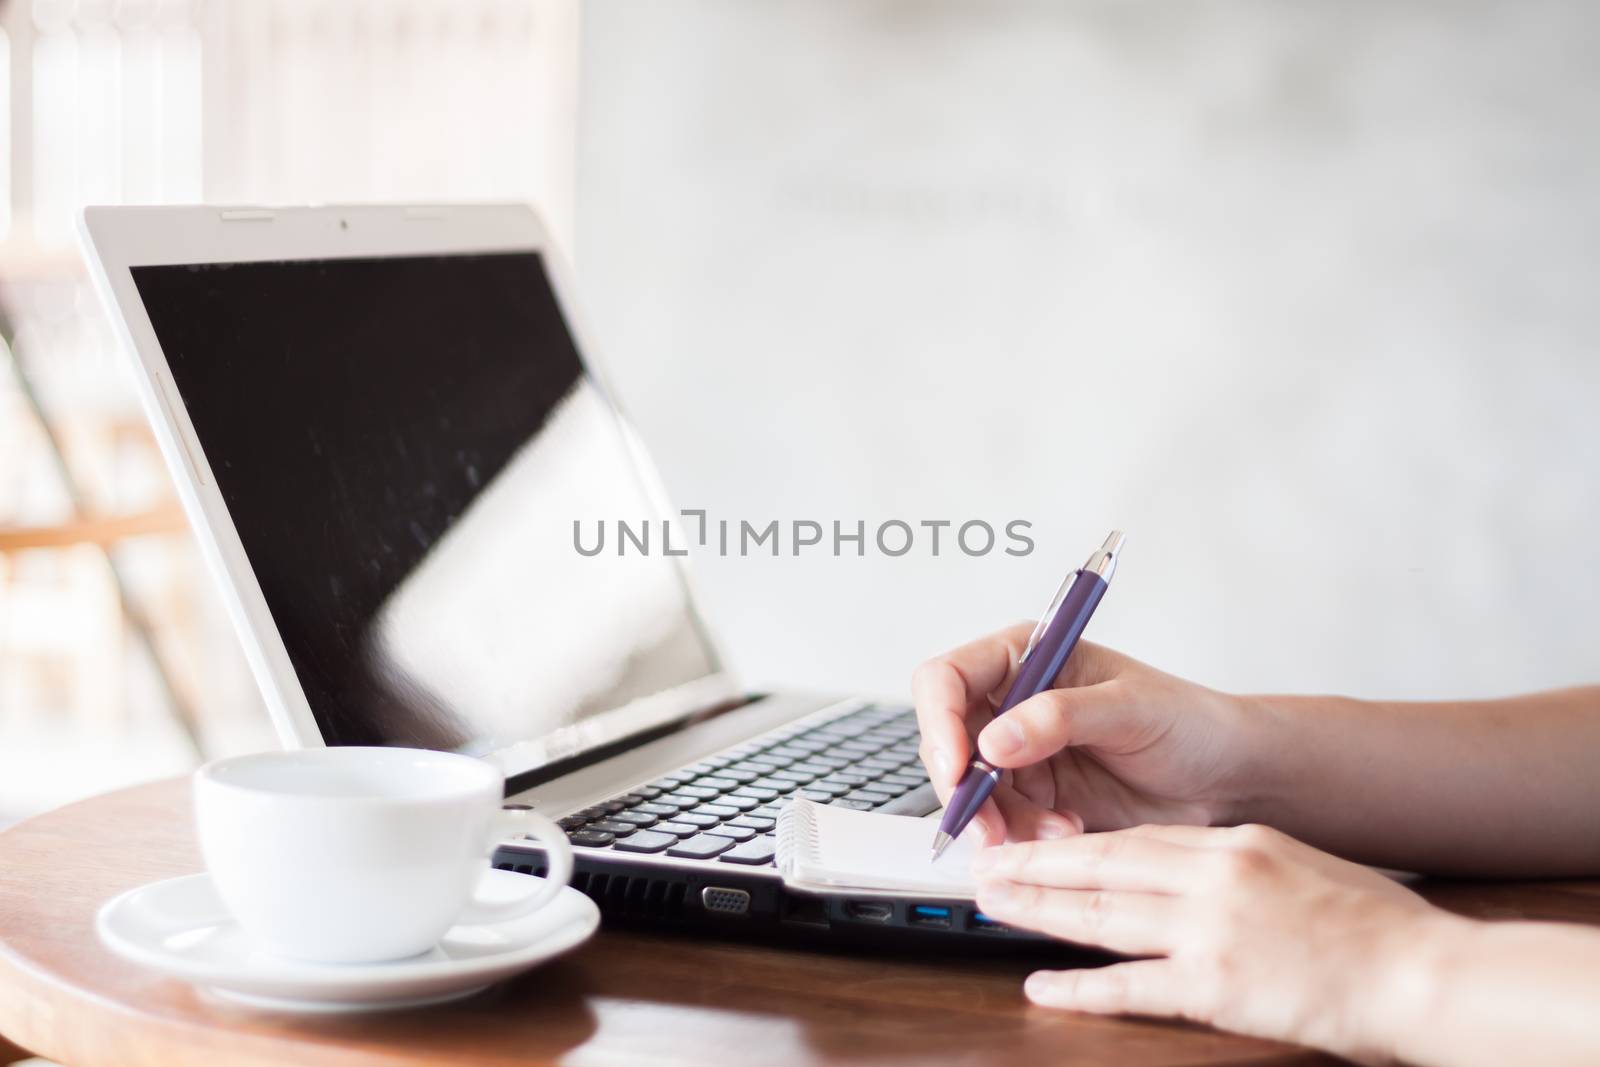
[941, 841]
[1113, 543]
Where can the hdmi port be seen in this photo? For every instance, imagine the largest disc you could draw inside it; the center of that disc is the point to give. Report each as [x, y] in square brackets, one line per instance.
[874, 911]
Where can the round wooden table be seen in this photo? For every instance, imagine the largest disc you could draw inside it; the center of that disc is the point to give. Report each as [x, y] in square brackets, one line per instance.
[623, 998]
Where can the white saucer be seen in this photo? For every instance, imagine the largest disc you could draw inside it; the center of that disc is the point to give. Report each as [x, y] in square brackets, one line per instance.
[180, 928]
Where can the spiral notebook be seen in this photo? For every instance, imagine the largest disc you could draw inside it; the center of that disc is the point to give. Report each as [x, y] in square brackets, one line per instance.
[825, 849]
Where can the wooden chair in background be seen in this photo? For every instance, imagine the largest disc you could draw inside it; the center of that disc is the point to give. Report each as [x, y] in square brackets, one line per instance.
[85, 526]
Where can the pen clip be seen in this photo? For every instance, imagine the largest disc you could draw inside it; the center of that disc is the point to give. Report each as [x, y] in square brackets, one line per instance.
[1049, 614]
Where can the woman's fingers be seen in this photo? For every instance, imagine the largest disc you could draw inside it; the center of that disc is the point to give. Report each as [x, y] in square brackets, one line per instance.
[1135, 923]
[1142, 987]
[1027, 820]
[1117, 860]
[945, 688]
[988, 823]
[1043, 725]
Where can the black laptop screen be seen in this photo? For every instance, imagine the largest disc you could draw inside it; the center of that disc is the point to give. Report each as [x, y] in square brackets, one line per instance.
[403, 445]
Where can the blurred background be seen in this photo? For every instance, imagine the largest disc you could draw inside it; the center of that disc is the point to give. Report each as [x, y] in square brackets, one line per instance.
[1298, 293]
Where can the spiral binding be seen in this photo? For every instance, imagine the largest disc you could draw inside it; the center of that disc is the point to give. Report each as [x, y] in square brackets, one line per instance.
[797, 835]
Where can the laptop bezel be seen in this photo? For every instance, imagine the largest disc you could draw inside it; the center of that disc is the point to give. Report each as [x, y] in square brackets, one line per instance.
[117, 239]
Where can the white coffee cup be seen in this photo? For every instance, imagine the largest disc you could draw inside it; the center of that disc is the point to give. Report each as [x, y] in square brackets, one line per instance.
[357, 855]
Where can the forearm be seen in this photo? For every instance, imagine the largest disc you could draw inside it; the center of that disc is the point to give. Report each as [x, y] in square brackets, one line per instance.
[1465, 993]
[1499, 787]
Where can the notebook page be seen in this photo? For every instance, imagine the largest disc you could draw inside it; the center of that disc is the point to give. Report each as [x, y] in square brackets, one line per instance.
[823, 848]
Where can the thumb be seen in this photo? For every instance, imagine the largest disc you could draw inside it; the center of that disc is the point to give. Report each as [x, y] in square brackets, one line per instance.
[1095, 715]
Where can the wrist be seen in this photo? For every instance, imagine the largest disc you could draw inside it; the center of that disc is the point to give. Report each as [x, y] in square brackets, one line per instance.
[1407, 980]
[1283, 750]
[1247, 790]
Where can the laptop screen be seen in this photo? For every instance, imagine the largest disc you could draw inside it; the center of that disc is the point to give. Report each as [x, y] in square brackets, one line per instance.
[404, 444]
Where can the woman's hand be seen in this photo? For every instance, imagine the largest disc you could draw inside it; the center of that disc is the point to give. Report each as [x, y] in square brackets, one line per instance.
[1118, 744]
[1252, 931]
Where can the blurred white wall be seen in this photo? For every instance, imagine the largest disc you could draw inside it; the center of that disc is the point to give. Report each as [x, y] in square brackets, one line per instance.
[1300, 293]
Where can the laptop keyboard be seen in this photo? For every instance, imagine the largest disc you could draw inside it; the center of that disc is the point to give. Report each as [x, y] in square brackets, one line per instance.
[725, 808]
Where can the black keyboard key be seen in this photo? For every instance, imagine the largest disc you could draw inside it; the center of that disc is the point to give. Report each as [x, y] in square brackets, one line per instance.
[708, 765]
[795, 776]
[671, 781]
[716, 811]
[754, 822]
[681, 801]
[678, 829]
[721, 785]
[828, 788]
[573, 822]
[853, 805]
[911, 781]
[786, 752]
[916, 803]
[751, 766]
[757, 793]
[591, 838]
[882, 764]
[690, 818]
[649, 792]
[832, 763]
[630, 799]
[816, 795]
[755, 852]
[645, 841]
[816, 770]
[697, 790]
[894, 789]
[858, 745]
[611, 826]
[870, 796]
[635, 818]
[782, 785]
[734, 800]
[661, 811]
[741, 776]
[847, 778]
[702, 847]
[844, 729]
[732, 832]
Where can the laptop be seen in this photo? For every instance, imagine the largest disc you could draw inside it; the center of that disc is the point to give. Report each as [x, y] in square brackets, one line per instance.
[388, 431]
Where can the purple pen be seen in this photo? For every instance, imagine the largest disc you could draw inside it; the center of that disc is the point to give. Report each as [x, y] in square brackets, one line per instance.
[1051, 642]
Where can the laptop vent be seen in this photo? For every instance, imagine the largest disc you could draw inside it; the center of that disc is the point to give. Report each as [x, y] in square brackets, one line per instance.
[620, 894]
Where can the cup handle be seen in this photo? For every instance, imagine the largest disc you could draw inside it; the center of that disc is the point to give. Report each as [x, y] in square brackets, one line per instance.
[558, 854]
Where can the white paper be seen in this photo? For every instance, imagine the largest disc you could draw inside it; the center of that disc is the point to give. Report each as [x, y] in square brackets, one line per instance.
[823, 847]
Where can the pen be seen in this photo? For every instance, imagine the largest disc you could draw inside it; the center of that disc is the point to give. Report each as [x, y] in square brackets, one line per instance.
[1051, 642]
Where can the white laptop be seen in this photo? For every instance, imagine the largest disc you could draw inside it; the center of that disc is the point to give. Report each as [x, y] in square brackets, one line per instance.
[383, 423]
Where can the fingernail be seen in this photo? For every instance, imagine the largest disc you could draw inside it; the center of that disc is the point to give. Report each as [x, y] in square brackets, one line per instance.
[979, 832]
[1037, 985]
[1006, 737]
[1053, 829]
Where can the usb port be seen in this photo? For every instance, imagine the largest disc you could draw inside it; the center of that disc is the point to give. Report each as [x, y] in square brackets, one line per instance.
[875, 911]
[928, 915]
[979, 921]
